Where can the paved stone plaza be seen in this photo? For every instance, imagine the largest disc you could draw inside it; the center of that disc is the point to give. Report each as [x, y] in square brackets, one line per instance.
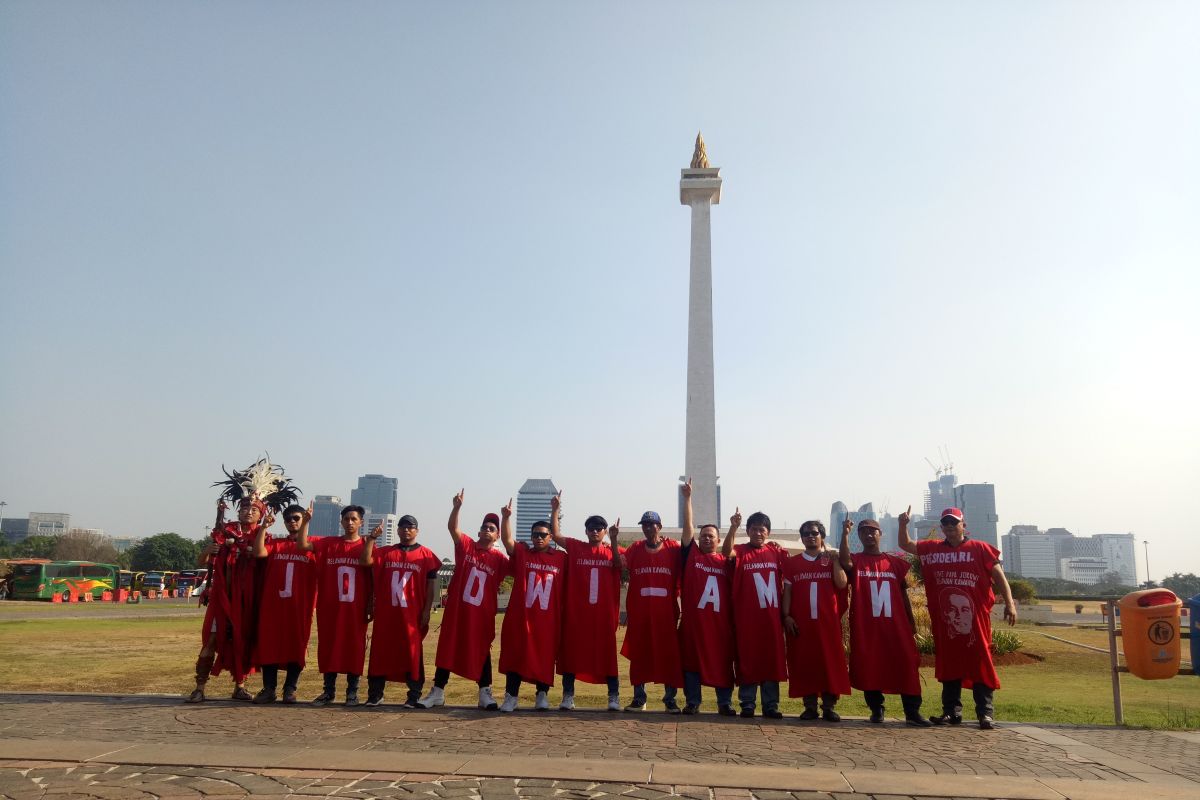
[149, 746]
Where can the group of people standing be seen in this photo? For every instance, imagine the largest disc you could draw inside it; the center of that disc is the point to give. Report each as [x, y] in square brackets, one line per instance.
[700, 611]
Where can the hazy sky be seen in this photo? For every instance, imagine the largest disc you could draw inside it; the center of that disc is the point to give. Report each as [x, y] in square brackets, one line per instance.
[443, 241]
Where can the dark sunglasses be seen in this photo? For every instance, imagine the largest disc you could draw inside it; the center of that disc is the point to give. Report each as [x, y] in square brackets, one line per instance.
[538, 535]
[294, 518]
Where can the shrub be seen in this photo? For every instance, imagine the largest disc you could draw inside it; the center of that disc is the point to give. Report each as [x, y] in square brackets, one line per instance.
[1023, 591]
[925, 644]
[1004, 642]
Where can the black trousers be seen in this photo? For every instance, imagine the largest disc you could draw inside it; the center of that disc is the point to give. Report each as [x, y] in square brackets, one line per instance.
[377, 683]
[270, 676]
[911, 702]
[828, 700]
[442, 676]
[952, 698]
[331, 683]
[512, 684]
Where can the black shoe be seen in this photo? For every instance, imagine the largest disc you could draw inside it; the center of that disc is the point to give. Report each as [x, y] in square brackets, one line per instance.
[772, 713]
[241, 694]
[289, 697]
[917, 721]
[691, 709]
[876, 715]
[672, 706]
[985, 724]
[946, 719]
[265, 697]
[351, 699]
[373, 700]
[726, 711]
[829, 715]
[410, 703]
[747, 712]
[636, 705]
[323, 699]
[809, 714]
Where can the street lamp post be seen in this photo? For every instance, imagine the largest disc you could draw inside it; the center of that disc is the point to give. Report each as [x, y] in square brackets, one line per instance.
[3, 504]
[1146, 544]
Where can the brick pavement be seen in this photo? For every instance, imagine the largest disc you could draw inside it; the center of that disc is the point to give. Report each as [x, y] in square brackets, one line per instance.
[137, 746]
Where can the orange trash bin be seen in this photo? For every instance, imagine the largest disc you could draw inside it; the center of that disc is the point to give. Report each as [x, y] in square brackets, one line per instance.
[1150, 628]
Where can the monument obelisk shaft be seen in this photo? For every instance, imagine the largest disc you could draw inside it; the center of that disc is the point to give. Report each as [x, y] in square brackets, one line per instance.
[700, 189]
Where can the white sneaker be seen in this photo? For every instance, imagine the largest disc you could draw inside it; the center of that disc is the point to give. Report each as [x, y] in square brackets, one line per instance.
[542, 702]
[509, 705]
[486, 701]
[568, 703]
[436, 697]
[614, 702]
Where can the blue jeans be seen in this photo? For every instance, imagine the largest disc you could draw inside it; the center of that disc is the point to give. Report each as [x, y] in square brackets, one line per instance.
[691, 691]
[769, 691]
[639, 693]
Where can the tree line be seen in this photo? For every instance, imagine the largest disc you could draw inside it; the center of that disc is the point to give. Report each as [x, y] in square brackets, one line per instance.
[163, 551]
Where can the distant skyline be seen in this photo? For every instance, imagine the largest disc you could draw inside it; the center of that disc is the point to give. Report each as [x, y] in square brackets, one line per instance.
[444, 243]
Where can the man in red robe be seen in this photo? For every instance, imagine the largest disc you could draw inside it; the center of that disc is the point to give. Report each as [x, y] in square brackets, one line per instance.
[814, 599]
[706, 627]
[285, 608]
[962, 576]
[588, 649]
[343, 595]
[405, 582]
[883, 651]
[652, 614]
[228, 632]
[469, 625]
[757, 623]
[532, 624]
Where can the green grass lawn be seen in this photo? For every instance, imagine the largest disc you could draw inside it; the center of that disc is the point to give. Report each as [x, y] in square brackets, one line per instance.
[150, 651]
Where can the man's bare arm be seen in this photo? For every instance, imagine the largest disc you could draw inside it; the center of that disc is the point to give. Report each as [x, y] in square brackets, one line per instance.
[735, 522]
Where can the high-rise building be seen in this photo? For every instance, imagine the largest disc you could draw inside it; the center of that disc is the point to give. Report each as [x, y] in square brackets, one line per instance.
[1032, 553]
[1057, 553]
[533, 504]
[978, 504]
[1119, 551]
[375, 493]
[15, 529]
[42, 523]
[838, 514]
[940, 495]
[327, 515]
[389, 523]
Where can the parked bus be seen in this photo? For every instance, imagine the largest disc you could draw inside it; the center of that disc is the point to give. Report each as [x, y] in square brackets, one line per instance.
[43, 581]
[131, 580]
[161, 581]
[189, 581]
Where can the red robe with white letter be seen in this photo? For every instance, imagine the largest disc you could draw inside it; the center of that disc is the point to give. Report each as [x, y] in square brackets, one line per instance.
[401, 579]
[883, 653]
[958, 585]
[757, 585]
[589, 634]
[469, 625]
[285, 605]
[652, 614]
[344, 586]
[533, 621]
[816, 657]
[706, 631]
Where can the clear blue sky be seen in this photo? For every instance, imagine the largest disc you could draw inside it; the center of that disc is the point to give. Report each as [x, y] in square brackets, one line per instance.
[443, 241]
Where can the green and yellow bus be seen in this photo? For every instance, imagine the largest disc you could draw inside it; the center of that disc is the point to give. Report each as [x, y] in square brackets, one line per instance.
[44, 581]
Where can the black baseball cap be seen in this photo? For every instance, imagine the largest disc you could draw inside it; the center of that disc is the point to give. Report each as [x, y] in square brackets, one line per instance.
[407, 521]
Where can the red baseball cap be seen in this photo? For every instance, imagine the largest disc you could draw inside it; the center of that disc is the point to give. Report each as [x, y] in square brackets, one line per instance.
[956, 513]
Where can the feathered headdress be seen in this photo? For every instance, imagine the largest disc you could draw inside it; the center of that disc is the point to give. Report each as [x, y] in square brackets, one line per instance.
[261, 482]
